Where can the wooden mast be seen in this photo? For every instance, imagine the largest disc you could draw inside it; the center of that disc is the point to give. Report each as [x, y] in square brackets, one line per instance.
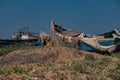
[52, 34]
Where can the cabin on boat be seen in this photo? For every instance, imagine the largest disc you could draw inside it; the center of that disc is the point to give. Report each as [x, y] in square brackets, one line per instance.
[24, 34]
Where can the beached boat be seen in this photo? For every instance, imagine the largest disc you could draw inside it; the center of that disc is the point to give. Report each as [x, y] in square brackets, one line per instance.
[84, 46]
[23, 35]
[75, 38]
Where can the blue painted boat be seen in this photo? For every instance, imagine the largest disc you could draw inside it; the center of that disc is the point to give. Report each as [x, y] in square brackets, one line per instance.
[84, 46]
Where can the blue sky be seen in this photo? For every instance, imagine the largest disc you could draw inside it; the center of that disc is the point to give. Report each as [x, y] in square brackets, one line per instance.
[88, 16]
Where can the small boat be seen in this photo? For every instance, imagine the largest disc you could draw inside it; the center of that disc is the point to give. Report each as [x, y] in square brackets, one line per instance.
[23, 35]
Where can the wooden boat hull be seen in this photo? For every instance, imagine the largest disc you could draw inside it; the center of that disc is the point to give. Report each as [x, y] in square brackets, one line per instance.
[84, 46]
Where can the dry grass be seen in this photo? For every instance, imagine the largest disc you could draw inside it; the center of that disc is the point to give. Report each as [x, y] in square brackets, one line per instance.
[60, 63]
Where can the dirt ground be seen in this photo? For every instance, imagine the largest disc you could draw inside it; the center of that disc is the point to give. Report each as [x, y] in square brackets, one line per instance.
[45, 63]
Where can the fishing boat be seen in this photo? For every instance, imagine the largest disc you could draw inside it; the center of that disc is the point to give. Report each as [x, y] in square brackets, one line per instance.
[64, 36]
[23, 35]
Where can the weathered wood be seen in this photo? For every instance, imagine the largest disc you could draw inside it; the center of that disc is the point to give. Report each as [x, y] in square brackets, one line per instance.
[52, 34]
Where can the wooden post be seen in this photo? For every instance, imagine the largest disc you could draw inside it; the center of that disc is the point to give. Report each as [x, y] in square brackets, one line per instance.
[52, 34]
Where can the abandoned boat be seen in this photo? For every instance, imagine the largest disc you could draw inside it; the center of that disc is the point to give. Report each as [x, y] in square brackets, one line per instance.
[64, 36]
[23, 35]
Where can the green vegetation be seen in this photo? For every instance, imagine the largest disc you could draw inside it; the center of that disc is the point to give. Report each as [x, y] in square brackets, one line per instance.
[91, 68]
[116, 55]
[6, 49]
[89, 57]
[114, 72]
[15, 69]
